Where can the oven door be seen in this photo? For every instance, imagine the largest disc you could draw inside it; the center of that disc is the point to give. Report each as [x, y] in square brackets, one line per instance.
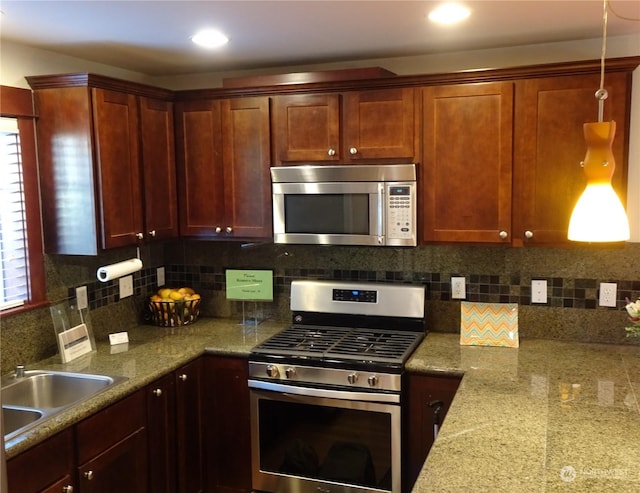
[341, 213]
[326, 443]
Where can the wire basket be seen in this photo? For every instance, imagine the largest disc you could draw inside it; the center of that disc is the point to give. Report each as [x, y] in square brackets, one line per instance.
[174, 313]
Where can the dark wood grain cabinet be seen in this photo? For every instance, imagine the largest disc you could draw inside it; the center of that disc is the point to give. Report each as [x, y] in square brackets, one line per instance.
[501, 159]
[111, 448]
[174, 421]
[107, 163]
[46, 468]
[223, 157]
[227, 427]
[354, 126]
[427, 401]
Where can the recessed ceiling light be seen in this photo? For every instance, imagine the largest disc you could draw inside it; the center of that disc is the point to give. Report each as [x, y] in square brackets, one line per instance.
[210, 38]
[449, 13]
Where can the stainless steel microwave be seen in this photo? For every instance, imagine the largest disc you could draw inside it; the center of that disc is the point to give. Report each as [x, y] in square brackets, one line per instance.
[372, 205]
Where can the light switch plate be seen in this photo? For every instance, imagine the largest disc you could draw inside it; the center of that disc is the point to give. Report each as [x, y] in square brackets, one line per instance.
[538, 291]
[160, 275]
[458, 288]
[82, 298]
[608, 292]
[126, 286]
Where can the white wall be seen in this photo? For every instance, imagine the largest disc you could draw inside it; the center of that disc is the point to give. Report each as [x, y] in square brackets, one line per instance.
[17, 61]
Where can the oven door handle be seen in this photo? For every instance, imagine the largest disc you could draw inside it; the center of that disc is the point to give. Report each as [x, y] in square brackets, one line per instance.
[326, 393]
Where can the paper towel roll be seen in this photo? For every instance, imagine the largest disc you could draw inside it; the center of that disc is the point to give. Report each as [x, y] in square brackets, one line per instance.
[113, 271]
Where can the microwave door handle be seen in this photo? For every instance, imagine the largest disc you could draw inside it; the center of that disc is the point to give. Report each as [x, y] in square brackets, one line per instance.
[381, 209]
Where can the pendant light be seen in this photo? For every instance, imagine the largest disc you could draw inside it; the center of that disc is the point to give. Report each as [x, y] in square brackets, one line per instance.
[599, 216]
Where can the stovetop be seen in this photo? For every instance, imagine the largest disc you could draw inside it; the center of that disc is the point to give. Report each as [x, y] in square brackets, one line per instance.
[341, 343]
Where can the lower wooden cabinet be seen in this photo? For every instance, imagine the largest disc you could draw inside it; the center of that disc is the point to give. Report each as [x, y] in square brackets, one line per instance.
[427, 401]
[227, 428]
[47, 467]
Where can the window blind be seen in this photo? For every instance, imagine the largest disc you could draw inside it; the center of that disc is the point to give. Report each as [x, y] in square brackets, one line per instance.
[14, 287]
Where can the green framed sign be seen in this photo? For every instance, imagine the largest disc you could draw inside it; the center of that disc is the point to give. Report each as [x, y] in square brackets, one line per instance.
[249, 284]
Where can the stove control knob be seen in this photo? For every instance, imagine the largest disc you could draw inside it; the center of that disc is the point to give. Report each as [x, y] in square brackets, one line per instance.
[352, 378]
[373, 381]
[290, 372]
[272, 371]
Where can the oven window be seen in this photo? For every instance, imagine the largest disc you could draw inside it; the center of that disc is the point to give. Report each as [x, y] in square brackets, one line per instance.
[349, 446]
[346, 214]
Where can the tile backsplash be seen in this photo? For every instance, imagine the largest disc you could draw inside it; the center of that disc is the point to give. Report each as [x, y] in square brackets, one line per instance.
[493, 275]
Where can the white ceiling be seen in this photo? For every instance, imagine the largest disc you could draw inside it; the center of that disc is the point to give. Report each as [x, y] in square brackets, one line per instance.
[153, 37]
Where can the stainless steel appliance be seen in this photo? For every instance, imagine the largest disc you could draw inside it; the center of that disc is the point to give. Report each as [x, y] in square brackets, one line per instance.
[345, 205]
[325, 392]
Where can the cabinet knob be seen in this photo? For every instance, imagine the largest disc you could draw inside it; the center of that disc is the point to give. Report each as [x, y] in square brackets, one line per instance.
[353, 151]
[152, 233]
[157, 392]
[331, 152]
[218, 229]
[140, 236]
[503, 234]
[229, 229]
[528, 234]
[88, 475]
[183, 377]
[67, 489]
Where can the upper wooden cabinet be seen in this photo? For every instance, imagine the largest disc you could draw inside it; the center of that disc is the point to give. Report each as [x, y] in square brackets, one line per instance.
[467, 162]
[501, 159]
[94, 136]
[549, 145]
[223, 157]
[345, 127]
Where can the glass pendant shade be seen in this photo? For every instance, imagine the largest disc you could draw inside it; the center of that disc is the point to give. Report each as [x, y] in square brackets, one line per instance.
[599, 216]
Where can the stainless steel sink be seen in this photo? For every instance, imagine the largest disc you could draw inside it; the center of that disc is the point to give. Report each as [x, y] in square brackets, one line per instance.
[31, 397]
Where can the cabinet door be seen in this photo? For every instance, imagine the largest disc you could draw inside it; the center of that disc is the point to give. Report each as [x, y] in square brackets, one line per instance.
[422, 392]
[189, 428]
[199, 168]
[115, 123]
[44, 466]
[380, 124]
[467, 163]
[306, 128]
[227, 428]
[246, 156]
[119, 468]
[161, 426]
[549, 145]
[159, 169]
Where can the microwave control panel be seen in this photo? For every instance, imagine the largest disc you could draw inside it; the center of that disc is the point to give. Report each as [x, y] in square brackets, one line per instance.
[401, 211]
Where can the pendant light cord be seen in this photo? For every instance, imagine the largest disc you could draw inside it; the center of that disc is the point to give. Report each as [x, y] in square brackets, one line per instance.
[602, 94]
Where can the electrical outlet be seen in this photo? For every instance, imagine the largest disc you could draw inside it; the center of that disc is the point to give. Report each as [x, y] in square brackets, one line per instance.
[538, 291]
[458, 288]
[160, 274]
[82, 298]
[126, 286]
[608, 292]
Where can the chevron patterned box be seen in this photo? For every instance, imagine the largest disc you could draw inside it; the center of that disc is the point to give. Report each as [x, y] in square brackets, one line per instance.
[489, 324]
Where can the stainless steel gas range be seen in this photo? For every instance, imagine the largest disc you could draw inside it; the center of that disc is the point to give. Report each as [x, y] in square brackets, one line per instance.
[326, 391]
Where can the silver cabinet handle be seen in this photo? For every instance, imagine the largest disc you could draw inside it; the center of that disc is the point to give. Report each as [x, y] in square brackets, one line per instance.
[140, 236]
[528, 234]
[229, 229]
[152, 233]
[218, 229]
[67, 489]
[503, 234]
[183, 377]
[353, 151]
[88, 475]
[331, 152]
[157, 392]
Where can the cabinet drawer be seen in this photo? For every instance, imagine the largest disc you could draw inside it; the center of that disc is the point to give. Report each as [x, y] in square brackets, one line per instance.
[106, 428]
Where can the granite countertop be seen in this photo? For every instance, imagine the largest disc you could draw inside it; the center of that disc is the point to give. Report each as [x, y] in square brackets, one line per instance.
[545, 417]
[549, 416]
